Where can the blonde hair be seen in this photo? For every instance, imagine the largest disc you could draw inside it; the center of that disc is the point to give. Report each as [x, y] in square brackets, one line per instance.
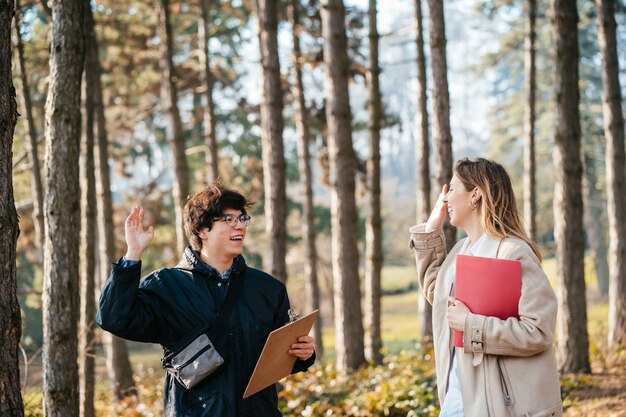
[499, 215]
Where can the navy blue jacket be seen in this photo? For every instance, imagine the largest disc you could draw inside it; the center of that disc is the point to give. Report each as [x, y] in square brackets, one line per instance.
[170, 304]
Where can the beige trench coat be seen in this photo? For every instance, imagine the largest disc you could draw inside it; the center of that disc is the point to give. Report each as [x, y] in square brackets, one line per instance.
[506, 367]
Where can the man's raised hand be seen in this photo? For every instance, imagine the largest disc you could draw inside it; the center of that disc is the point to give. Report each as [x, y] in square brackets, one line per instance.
[137, 240]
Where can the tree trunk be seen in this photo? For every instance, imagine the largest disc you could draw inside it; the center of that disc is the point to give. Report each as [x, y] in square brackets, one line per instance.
[422, 159]
[373, 227]
[211, 153]
[118, 364]
[530, 198]
[615, 162]
[273, 147]
[86, 347]
[11, 404]
[197, 122]
[442, 136]
[573, 343]
[593, 217]
[347, 292]
[31, 132]
[306, 179]
[176, 135]
[62, 211]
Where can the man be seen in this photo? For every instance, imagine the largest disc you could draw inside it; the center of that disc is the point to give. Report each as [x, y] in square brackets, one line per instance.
[170, 304]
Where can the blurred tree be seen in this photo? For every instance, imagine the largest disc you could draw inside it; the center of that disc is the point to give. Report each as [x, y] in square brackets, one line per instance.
[442, 137]
[211, 143]
[373, 240]
[530, 72]
[594, 214]
[422, 156]
[342, 160]
[86, 328]
[176, 135]
[272, 124]
[62, 211]
[573, 342]
[505, 23]
[615, 166]
[118, 364]
[33, 151]
[10, 321]
[306, 179]
[595, 219]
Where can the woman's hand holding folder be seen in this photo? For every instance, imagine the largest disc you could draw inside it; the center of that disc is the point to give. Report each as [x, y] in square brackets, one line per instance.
[457, 313]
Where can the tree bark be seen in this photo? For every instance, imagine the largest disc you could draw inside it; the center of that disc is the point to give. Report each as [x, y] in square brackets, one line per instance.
[615, 176]
[118, 363]
[347, 292]
[593, 217]
[273, 148]
[530, 189]
[11, 404]
[373, 226]
[422, 157]
[306, 179]
[442, 137]
[176, 136]
[211, 153]
[573, 343]
[86, 349]
[62, 211]
[31, 131]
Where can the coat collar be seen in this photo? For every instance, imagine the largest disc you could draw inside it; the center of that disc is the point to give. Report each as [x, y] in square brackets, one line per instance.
[191, 262]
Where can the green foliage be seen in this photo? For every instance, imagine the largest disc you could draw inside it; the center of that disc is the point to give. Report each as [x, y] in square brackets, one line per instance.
[148, 402]
[403, 386]
[571, 383]
[33, 399]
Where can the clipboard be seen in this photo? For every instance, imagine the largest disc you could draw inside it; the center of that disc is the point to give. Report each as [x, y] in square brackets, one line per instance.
[275, 363]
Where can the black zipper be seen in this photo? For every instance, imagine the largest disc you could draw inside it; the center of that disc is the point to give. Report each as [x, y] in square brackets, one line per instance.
[194, 357]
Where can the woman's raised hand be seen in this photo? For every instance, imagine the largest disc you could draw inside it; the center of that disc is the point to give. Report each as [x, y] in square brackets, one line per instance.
[439, 211]
[137, 240]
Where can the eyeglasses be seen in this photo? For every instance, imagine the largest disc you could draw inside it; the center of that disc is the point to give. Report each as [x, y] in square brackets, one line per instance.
[233, 219]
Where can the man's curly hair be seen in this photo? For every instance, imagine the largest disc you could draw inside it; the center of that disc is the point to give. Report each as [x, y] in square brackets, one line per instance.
[203, 206]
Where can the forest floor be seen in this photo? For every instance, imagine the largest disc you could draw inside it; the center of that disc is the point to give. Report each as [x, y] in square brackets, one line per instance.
[602, 394]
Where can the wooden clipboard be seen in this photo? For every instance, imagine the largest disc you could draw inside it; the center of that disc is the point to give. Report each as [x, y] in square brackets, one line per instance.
[275, 362]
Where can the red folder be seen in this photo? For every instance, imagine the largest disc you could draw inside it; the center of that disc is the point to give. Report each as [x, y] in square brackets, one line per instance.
[489, 287]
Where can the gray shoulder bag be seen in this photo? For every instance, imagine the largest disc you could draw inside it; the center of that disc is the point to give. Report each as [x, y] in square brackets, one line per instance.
[200, 358]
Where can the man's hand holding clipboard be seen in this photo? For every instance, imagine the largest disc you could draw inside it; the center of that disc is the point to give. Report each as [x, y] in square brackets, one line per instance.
[279, 354]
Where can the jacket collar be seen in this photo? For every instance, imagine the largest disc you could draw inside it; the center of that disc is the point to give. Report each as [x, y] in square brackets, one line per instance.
[191, 262]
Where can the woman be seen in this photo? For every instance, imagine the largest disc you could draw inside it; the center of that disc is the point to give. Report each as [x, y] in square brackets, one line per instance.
[506, 367]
